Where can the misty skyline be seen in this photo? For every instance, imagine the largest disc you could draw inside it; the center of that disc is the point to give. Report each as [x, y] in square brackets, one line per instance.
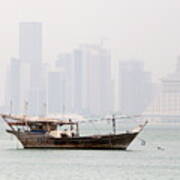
[101, 76]
[143, 30]
[80, 82]
[140, 30]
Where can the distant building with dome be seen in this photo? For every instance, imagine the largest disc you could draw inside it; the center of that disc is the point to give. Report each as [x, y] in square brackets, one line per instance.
[166, 107]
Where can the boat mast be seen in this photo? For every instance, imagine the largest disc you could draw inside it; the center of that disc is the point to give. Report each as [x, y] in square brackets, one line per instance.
[11, 107]
[25, 107]
[77, 129]
[114, 124]
[44, 109]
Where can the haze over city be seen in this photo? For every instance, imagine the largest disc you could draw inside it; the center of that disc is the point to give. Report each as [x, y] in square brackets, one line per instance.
[89, 89]
[146, 32]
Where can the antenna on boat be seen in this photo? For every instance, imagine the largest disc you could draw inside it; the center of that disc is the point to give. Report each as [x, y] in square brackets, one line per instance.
[114, 123]
[63, 109]
[25, 107]
[45, 108]
[63, 112]
[11, 107]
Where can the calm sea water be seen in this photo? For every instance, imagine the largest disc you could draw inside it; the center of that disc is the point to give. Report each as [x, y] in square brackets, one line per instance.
[137, 163]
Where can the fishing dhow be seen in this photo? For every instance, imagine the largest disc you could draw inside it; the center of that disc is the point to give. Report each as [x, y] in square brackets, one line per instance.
[46, 132]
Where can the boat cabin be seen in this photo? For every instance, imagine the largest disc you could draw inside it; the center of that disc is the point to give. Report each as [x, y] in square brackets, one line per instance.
[54, 127]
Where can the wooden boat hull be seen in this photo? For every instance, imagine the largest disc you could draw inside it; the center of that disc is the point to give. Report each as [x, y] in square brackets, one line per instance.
[35, 140]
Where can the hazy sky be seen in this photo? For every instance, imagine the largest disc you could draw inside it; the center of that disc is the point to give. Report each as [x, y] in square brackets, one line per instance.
[147, 30]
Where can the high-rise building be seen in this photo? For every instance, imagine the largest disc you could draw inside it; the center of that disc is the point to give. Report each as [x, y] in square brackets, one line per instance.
[30, 42]
[18, 85]
[166, 105]
[65, 62]
[77, 81]
[30, 52]
[94, 64]
[135, 87]
[56, 91]
[13, 86]
[38, 90]
[26, 75]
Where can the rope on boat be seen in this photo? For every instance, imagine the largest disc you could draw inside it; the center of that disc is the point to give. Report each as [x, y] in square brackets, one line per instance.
[110, 118]
[92, 123]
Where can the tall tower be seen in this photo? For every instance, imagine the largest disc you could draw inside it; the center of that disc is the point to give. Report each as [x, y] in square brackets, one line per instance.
[30, 54]
[26, 75]
[93, 67]
[13, 86]
[78, 81]
[56, 91]
[30, 42]
[135, 87]
[166, 106]
[178, 65]
[65, 62]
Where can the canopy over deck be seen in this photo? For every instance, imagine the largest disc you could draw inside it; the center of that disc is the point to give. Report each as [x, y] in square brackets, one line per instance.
[22, 120]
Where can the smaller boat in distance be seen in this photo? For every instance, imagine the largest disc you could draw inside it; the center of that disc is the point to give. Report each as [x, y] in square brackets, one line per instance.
[45, 132]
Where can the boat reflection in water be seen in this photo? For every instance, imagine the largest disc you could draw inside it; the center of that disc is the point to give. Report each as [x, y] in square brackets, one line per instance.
[45, 132]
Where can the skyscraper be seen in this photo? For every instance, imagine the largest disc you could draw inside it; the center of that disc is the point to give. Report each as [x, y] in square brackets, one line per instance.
[56, 91]
[65, 62]
[94, 63]
[135, 87]
[30, 42]
[18, 85]
[30, 52]
[77, 81]
[13, 86]
[166, 105]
